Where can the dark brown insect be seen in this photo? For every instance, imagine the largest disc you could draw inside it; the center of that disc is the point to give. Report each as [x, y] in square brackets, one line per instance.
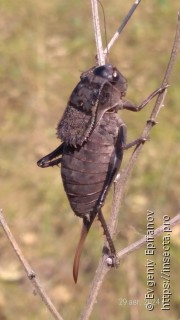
[94, 137]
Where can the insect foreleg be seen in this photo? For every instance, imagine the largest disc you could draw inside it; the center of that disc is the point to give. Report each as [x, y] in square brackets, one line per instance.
[132, 107]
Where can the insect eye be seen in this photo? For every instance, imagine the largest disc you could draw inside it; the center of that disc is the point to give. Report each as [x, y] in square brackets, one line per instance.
[115, 75]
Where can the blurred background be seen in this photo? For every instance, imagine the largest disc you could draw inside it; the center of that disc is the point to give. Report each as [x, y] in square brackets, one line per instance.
[44, 47]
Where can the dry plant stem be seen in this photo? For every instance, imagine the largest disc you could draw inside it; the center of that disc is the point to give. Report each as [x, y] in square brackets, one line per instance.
[30, 273]
[121, 185]
[157, 232]
[118, 32]
[97, 33]
[102, 54]
[103, 268]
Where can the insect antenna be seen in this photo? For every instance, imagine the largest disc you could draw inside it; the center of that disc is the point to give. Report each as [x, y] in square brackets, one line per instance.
[120, 29]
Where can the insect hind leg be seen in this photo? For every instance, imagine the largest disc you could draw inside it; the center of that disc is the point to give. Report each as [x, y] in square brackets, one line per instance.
[114, 165]
[107, 233]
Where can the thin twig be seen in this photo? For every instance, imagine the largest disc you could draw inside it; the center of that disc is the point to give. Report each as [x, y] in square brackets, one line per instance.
[103, 269]
[122, 182]
[157, 232]
[30, 273]
[97, 33]
[118, 32]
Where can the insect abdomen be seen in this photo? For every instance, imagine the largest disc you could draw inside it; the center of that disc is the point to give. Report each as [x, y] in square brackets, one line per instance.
[84, 169]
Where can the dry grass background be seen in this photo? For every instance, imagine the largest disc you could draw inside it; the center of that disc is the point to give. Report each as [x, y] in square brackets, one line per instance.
[44, 46]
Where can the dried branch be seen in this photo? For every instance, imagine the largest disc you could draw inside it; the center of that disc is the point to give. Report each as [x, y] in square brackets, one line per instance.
[121, 185]
[118, 32]
[119, 189]
[103, 269]
[138, 244]
[30, 273]
[102, 54]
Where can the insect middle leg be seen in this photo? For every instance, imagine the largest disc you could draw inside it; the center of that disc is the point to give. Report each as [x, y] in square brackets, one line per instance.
[48, 161]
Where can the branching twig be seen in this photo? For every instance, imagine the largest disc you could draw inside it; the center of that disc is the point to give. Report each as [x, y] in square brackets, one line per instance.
[121, 185]
[30, 273]
[102, 54]
[157, 232]
[119, 189]
[103, 268]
